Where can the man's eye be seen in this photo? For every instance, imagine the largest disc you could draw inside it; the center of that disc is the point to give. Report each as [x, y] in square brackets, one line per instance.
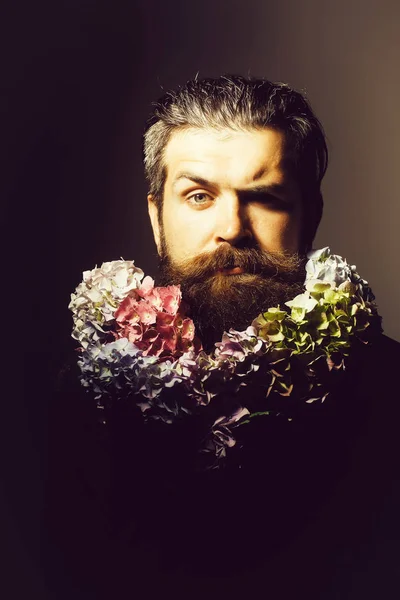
[199, 198]
[273, 202]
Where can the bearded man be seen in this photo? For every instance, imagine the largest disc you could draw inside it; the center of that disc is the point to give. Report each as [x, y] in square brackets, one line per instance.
[234, 170]
[234, 167]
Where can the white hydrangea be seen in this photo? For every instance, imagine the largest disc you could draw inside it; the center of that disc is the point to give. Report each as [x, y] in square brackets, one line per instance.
[323, 266]
[98, 296]
[303, 301]
[100, 364]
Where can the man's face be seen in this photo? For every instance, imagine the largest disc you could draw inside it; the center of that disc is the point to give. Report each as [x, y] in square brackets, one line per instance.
[230, 224]
[225, 187]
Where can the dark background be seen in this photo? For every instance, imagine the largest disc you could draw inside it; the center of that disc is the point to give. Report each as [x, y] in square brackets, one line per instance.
[77, 80]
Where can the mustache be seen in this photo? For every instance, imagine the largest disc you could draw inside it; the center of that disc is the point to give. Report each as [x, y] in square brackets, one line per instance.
[281, 266]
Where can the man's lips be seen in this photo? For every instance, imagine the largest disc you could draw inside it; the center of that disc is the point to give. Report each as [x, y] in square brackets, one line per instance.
[233, 271]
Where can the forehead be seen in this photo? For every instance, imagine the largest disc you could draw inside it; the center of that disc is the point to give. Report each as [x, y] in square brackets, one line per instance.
[231, 156]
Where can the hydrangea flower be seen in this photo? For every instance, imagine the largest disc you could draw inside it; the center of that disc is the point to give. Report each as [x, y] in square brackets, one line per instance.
[136, 342]
[104, 368]
[327, 267]
[301, 305]
[220, 436]
[152, 319]
[98, 296]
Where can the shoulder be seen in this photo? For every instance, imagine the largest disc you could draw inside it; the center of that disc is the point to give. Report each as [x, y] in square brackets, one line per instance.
[374, 372]
[386, 347]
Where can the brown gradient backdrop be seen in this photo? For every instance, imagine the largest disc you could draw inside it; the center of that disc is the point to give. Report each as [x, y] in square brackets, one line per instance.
[77, 80]
[345, 56]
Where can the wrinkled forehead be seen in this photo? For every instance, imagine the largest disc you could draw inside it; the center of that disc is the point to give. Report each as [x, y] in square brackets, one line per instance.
[238, 156]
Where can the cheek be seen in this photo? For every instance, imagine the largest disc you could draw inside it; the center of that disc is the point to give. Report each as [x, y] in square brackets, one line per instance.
[279, 231]
[290, 235]
[185, 234]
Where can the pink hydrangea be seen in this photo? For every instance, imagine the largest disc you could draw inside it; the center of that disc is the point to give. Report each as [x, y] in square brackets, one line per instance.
[153, 319]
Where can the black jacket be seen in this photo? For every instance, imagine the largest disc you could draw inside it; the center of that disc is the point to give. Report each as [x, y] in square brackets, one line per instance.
[304, 509]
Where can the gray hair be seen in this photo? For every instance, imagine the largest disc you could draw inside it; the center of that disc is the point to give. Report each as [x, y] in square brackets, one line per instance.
[234, 102]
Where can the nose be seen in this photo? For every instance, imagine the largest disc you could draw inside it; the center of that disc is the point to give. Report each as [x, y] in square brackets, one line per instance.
[232, 224]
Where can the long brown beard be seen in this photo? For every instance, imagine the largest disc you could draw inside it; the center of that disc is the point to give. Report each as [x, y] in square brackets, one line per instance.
[218, 302]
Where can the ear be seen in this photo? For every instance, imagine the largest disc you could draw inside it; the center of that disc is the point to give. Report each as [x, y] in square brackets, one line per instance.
[155, 225]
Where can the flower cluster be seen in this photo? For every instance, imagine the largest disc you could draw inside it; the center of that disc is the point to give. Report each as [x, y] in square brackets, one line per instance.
[137, 342]
[151, 318]
[97, 298]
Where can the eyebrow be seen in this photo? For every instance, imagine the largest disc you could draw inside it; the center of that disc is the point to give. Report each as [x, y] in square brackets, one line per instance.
[194, 178]
[270, 188]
